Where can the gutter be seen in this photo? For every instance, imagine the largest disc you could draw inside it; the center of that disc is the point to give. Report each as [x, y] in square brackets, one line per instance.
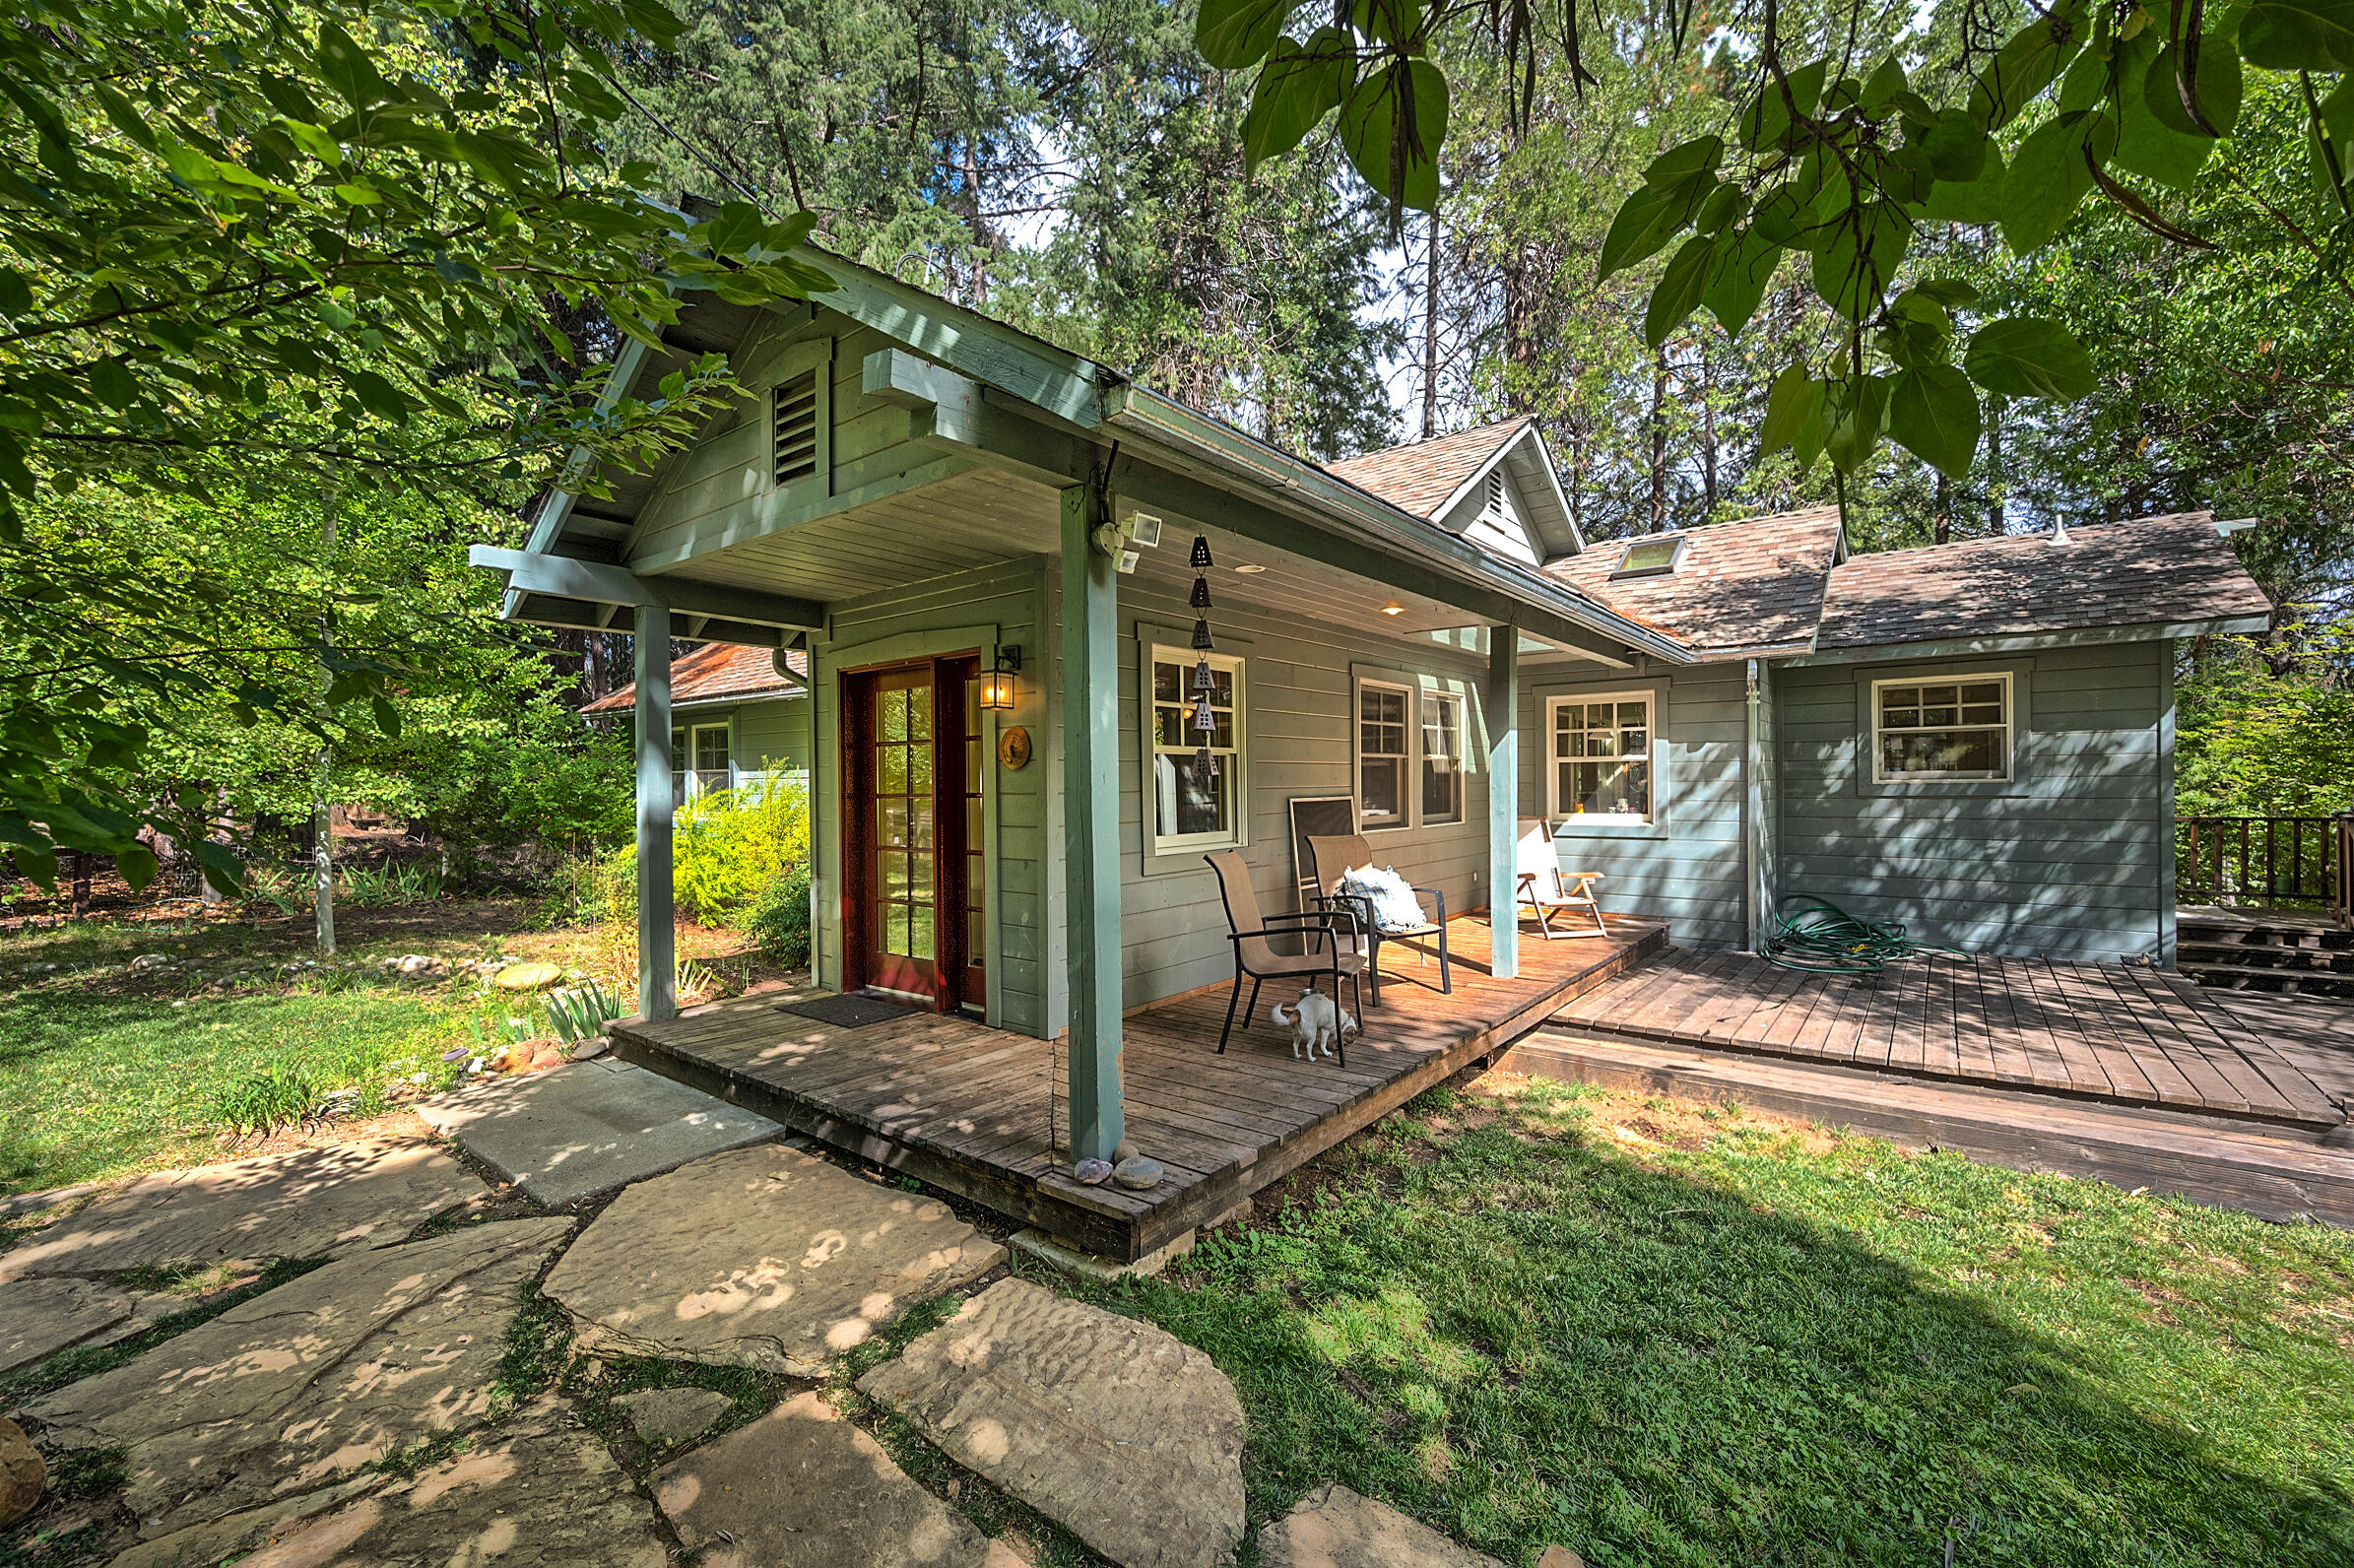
[1133, 408]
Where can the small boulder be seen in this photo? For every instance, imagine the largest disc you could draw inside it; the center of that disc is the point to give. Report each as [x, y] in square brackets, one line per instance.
[418, 966]
[1335, 1528]
[23, 1473]
[527, 977]
[152, 960]
[1137, 1173]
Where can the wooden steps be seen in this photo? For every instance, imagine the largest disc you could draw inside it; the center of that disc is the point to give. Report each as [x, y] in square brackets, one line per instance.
[2276, 951]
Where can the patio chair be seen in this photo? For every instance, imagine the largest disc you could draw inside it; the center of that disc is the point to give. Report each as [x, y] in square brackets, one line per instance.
[1255, 950]
[1332, 858]
[1546, 890]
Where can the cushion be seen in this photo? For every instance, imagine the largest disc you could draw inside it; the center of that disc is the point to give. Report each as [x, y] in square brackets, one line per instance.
[1394, 904]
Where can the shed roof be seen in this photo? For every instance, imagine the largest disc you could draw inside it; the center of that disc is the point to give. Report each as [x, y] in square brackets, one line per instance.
[1754, 585]
[2172, 570]
[717, 672]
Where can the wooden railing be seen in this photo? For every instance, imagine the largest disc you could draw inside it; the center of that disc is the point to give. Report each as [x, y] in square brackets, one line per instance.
[2282, 862]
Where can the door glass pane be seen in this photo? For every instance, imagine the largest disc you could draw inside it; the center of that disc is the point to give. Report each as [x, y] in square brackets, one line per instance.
[891, 708]
[898, 923]
[891, 820]
[919, 769]
[922, 933]
[975, 939]
[919, 713]
[919, 876]
[919, 822]
[1165, 682]
[890, 770]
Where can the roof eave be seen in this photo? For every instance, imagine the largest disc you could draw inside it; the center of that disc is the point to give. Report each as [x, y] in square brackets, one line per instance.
[2031, 641]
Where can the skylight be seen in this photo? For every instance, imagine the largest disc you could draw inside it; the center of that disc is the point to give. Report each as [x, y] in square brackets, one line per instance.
[1655, 557]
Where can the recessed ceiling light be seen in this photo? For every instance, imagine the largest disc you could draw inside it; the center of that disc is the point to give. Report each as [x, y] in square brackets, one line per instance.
[1392, 608]
[1250, 566]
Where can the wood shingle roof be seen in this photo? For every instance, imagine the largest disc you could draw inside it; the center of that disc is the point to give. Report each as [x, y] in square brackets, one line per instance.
[1419, 476]
[1753, 584]
[714, 673]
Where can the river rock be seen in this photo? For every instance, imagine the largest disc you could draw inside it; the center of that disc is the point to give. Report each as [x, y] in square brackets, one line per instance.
[527, 977]
[1335, 1528]
[23, 1473]
[1137, 1173]
[1127, 1437]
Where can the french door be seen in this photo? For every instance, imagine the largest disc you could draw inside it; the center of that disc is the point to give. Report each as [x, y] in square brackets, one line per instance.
[911, 782]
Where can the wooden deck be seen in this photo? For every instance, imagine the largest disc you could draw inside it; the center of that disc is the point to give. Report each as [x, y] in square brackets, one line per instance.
[2108, 1033]
[981, 1112]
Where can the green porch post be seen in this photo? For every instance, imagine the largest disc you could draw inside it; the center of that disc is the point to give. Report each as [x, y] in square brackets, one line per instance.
[1092, 825]
[657, 933]
[1503, 717]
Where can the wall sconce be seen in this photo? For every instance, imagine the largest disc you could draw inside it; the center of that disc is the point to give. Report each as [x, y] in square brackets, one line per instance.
[997, 687]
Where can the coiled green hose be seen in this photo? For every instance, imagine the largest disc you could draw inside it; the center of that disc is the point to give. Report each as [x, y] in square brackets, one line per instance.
[1816, 935]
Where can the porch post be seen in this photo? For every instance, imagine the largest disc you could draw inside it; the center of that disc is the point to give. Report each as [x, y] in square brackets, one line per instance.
[1091, 673]
[657, 934]
[1503, 716]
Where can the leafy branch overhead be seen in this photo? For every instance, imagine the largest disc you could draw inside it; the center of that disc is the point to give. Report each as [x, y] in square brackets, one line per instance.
[1847, 174]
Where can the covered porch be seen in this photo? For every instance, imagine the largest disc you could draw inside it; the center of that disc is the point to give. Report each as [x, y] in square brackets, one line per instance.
[987, 1114]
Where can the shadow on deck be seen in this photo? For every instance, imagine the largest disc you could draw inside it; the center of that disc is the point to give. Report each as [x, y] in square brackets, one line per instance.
[982, 1112]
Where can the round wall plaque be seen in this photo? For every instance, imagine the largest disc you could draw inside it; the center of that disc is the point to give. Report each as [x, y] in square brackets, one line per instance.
[1013, 749]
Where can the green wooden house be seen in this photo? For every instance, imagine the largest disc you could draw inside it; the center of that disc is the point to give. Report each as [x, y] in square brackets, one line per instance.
[974, 563]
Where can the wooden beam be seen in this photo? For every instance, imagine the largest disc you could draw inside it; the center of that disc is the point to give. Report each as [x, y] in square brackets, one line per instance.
[962, 418]
[1503, 716]
[657, 930]
[581, 614]
[596, 582]
[1091, 677]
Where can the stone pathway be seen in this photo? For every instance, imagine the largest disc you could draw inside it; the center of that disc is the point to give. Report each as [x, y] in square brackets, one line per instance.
[666, 1417]
[308, 1204]
[40, 1317]
[589, 1126]
[291, 1390]
[803, 1488]
[1336, 1527]
[1127, 1437]
[766, 1258]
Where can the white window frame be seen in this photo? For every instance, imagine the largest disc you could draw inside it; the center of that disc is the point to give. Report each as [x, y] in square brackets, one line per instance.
[1462, 718]
[1653, 756]
[2010, 728]
[686, 785]
[1675, 563]
[1409, 778]
[1235, 758]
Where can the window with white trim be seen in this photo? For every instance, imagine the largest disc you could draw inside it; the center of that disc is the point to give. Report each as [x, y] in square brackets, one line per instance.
[700, 760]
[1191, 811]
[1385, 760]
[1602, 759]
[1956, 729]
[1442, 756]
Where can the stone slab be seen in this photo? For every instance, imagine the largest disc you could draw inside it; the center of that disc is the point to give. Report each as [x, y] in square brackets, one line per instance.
[801, 1487]
[586, 1128]
[295, 1388]
[664, 1416]
[1127, 1437]
[1094, 1266]
[40, 1317]
[765, 1256]
[308, 1204]
[1335, 1528]
[541, 1493]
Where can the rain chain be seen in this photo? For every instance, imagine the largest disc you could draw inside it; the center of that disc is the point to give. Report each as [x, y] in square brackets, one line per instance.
[1204, 721]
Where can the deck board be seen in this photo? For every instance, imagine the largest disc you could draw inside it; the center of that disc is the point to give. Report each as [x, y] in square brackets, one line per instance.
[981, 1111]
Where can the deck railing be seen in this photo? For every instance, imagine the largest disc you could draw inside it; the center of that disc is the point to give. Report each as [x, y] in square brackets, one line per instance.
[2282, 862]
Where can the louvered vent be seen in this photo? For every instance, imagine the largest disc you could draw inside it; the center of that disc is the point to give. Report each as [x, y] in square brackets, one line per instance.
[797, 427]
[1496, 495]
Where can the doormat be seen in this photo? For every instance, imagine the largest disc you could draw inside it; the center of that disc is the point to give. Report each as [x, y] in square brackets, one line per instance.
[853, 1011]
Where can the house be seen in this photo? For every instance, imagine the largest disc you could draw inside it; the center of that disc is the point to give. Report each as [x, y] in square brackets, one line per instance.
[740, 716]
[1062, 635]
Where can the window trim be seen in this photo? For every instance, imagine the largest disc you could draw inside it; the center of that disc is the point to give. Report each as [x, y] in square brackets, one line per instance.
[2010, 727]
[1412, 816]
[1462, 720]
[1622, 572]
[684, 783]
[1655, 757]
[1157, 843]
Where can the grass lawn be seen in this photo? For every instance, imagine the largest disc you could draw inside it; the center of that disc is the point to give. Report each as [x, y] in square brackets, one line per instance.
[1529, 1313]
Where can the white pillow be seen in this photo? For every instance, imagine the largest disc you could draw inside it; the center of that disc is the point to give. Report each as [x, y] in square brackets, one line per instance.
[1395, 906]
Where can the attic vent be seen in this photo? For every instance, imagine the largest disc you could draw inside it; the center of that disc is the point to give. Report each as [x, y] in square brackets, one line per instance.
[797, 427]
[1496, 495]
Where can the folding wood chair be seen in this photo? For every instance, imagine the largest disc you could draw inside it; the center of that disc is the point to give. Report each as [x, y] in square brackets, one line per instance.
[1546, 890]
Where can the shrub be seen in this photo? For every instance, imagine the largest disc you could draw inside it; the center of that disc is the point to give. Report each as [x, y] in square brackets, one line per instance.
[730, 843]
[778, 917]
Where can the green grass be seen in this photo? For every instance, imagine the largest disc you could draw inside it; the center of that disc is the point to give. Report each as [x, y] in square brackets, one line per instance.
[1662, 1337]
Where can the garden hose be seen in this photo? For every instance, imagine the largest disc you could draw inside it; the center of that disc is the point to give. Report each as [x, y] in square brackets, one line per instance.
[1817, 936]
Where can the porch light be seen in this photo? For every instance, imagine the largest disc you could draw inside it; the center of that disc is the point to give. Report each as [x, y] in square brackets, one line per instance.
[997, 688]
[1392, 608]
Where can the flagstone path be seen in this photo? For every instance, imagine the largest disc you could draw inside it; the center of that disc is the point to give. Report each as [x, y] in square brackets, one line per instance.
[1335, 1528]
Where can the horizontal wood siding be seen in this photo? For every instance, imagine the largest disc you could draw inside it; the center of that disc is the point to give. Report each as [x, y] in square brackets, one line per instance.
[1688, 870]
[772, 737]
[2066, 860]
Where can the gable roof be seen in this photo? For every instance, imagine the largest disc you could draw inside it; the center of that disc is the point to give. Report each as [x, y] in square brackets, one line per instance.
[718, 672]
[1422, 477]
[2172, 571]
[1755, 586]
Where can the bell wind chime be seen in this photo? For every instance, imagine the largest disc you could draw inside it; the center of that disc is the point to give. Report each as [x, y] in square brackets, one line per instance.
[1205, 722]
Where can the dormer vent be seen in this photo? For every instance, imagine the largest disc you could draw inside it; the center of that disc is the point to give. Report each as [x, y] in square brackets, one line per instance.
[796, 428]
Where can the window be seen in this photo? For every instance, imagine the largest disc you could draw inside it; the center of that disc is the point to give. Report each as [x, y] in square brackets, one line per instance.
[1382, 759]
[1191, 810]
[1602, 762]
[1442, 756]
[699, 760]
[1957, 729]
[1651, 557]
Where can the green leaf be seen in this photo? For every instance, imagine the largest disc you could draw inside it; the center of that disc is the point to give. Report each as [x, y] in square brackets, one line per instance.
[137, 865]
[2027, 356]
[1951, 292]
[388, 717]
[1978, 201]
[1373, 126]
[1795, 400]
[1298, 85]
[2145, 144]
[1723, 208]
[2049, 178]
[2299, 35]
[1957, 147]
[1886, 80]
[1233, 34]
[113, 383]
[314, 140]
[2219, 87]
[1858, 408]
[1933, 413]
[1699, 156]
[1860, 256]
[2028, 63]
[37, 866]
[1766, 122]
[736, 230]
[344, 66]
[378, 396]
[1647, 220]
[1744, 268]
[1677, 292]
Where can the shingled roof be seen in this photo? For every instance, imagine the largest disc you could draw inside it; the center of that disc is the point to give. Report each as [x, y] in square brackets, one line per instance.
[1419, 476]
[716, 671]
[1753, 585]
[2173, 570]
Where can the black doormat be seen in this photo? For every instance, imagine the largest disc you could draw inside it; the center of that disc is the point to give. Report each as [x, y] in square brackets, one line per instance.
[852, 1011]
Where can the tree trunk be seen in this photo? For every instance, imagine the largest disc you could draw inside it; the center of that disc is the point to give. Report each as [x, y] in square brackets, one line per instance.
[1658, 441]
[1997, 520]
[1708, 431]
[1945, 518]
[1430, 334]
[322, 776]
[80, 883]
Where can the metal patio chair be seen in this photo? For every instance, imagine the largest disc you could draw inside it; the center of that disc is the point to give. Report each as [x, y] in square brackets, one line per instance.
[1330, 858]
[1253, 937]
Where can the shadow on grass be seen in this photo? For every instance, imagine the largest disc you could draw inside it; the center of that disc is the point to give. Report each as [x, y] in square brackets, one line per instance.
[1523, 1336]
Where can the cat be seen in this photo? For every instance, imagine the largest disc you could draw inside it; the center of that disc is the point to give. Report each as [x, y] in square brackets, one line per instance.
[1316, 1020]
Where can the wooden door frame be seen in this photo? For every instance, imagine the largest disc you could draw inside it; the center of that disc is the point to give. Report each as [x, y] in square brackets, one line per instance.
[854, 793]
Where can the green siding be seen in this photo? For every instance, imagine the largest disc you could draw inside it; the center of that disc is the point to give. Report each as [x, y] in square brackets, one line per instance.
[768, 737]
[2066, 859]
